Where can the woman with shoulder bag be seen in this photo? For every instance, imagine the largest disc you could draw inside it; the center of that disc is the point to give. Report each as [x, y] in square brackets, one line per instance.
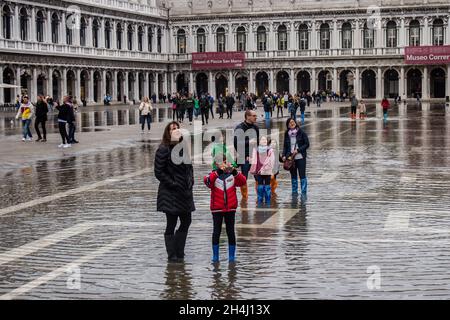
[175, 192]
[146, 109]
[296, 143]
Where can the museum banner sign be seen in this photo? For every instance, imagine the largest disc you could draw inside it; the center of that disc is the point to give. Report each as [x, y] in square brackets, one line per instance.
[218, 60]
[427, 55]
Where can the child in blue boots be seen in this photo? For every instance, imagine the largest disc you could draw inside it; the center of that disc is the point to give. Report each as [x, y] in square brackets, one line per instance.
[263, 163]
[223, 183]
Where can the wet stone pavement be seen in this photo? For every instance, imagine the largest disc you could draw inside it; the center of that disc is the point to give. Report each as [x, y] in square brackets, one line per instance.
[376, 223]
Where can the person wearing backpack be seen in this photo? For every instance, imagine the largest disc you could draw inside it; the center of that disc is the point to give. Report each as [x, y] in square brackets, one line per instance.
[263, 164]
[145, 110]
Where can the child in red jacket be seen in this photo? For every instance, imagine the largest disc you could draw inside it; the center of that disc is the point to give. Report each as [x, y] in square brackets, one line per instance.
[223, 183]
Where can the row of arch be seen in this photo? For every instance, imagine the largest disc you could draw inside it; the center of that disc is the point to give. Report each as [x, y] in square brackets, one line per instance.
[346, 82]
[113, 83]
[74, 22]
[324, 36]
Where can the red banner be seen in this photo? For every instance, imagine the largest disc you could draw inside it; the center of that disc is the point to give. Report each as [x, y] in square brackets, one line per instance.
[427, 55]
[218, 60]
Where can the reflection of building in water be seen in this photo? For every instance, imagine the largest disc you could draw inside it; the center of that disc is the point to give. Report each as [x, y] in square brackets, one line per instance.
[134, 49]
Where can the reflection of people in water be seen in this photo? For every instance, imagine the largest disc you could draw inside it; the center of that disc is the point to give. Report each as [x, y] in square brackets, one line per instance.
[224, 288]
[178, 283]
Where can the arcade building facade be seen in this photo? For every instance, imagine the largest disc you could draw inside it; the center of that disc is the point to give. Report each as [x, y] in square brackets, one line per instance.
[130, 49]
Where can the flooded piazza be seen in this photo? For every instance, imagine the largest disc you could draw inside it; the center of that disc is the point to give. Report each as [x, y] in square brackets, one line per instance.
[375, 224]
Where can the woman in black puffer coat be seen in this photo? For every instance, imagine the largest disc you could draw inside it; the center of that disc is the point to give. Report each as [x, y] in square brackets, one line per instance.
[175, 196]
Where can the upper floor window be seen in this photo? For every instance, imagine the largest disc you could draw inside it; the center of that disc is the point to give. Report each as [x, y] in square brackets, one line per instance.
[221, 41]
[140, 39]
[83, 28]
[181, 39]
[368, 37]
[241, 39]
[130, 34]
[55, 28]
[159, 40]
[108, 35]
[119, 36]
[325, 36]
[346, 36]
[201, 40]
[261, 38]
[7, 22]
[150, 39]
[414, 33]
[282, 38]
[391, 34]
[95, 30]
[23, 24]
[40, 20]
[438, 32]
[303, 37]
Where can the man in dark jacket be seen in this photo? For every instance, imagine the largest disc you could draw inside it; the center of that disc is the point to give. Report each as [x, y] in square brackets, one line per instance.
[71, 122]
[230, 103]
[204, 108]
[41, 118]
[246, 136]
[189, 103]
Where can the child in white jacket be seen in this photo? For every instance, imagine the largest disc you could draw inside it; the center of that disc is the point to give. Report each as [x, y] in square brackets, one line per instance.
[263, 163]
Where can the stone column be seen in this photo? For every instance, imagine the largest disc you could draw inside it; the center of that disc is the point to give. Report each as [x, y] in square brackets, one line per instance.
[314, 84]
[31, 26]
[251, 82]
[126, 91]
[250, 39]
[292, 88]
[357, 36]
[33, 94]
[16, 24]
[77, 92]
[271, 43]
[335, 81]
[402, 33]
[48, 28]
[165, 87]
[211, 84]
[103, 86]
[191, 82]
[89, 42]
[272, 86]
[50, 82]
[91, 86]
[136, 87]
[335, 36]
[113, 37]
[210, 39]
[135, 37]
[231, 83]
[231, 45]
[17, 82]
[379, 88]
[64, 82]
[314, 39]
[425, 84]
[155, 39]
[114, 84]
[173, 86]
[101, 35]
[426, 32]
[447, 83]
[146, 84]
[62, 38]
[402, 86]
[357, 84]
[2, 93]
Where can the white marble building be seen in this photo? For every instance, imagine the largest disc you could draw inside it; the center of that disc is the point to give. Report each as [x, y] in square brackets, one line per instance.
[135, 48]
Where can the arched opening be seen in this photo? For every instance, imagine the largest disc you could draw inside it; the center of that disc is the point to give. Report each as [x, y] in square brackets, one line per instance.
[24, 24]
[109, 83]
[201, 81]
[221, 39]
[97, 86]
[40, 21]
[303, 35]
[303, 82]
[151, 80]
[414, 83]
[130, 89]
[369, 84]
[325, 34]
[160, 85]
[55, 28]
[95, 33]
[25, 83]
[437, 83]
[119, 34]
[8, 78]
[84, 85]
[56, 86]
[181, 40]
[141, 85]
[325, 81]
[7, 22]
[241, 39]
[201, 40]
[391, 83]
[262, 83]
[391, 34]
[71, 80]
[130, 34]
[150, 39]
[346, 83]
[182, 85]
[346, 36]
[140, 38]
[414, 33]
[282, 82]
[438, 32]
[241, 83]
[120, 86]
[261, 38]
[41, 84]
[282, 37]
[221, 85]
[83, 28]
[108, 30]
[159, 40]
